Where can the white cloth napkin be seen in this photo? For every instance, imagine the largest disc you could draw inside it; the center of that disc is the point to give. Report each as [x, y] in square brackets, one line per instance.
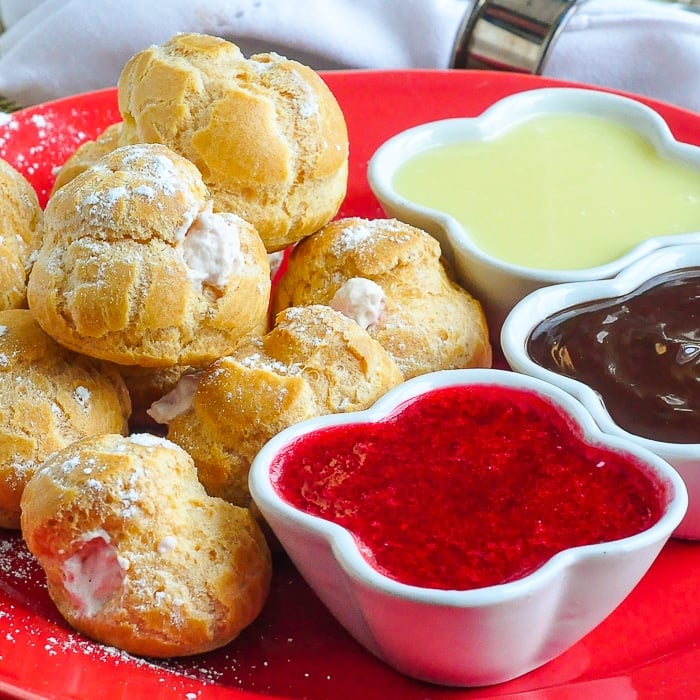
[643, 47]
[53, 48]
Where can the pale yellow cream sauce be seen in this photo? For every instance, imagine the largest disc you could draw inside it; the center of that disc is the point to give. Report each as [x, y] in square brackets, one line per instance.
[557, 192]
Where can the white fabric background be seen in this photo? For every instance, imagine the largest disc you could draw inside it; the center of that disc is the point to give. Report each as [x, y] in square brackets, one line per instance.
[53, 48]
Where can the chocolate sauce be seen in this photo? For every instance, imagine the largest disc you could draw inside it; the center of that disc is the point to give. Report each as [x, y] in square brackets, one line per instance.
[640, 352]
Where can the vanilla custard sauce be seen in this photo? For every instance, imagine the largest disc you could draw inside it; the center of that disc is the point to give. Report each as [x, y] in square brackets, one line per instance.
[557, 192]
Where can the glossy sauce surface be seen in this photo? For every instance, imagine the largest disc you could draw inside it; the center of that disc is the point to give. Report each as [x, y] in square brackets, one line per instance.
[640, 352]
[467, 487]
[557, 192]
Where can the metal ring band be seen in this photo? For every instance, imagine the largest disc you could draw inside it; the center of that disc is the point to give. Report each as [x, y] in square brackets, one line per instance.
[513, 35]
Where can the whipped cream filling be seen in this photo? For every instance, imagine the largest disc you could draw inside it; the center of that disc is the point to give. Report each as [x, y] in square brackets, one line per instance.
[176, 401]
[94, 573]
[167, 544]
[212, 248]
[275, 259]
[361, 300]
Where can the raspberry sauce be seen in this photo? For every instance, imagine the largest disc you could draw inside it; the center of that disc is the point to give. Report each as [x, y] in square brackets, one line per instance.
[468, 486]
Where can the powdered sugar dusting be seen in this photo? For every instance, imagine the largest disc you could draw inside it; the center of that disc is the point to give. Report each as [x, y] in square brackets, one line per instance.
[365, 232]
[301, 322]
[159, 169]
[106, 198]
[149, 440]
[262, 361]
[36, 141]
[16, 562]
[147, 174]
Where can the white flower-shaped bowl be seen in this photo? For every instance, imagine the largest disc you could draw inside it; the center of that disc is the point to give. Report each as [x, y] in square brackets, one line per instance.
[547, 302]
[496, 279]
[479, 635]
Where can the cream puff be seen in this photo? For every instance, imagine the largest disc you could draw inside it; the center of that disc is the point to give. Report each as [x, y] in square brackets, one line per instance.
[391, 279]
[20, 235]
[266, 132]
[49, 397]
[136, 554]
[314, 361]
[137, 269]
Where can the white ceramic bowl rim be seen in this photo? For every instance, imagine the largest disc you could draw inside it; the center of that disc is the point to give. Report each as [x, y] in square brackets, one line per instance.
[348, 553]
[544, 302]
[509, 112]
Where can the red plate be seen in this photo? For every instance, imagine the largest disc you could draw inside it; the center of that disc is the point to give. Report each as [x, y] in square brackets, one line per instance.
[648, 648]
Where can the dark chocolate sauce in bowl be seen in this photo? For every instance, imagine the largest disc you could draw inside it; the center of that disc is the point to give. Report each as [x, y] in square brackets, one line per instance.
[640, 352]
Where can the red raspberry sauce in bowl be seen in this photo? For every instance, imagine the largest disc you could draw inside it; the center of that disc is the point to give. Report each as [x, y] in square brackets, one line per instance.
[467, 486]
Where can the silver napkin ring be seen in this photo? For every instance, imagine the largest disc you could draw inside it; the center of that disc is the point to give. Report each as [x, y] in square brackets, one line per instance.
[513, 35]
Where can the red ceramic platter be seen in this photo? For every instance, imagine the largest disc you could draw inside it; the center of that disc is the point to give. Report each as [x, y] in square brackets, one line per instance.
[648, 648]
